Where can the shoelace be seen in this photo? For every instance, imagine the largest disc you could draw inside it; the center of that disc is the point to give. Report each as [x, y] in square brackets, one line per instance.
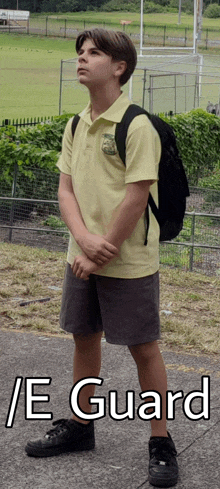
[61, 424]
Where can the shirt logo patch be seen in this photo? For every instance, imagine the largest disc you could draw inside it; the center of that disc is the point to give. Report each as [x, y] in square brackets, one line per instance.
[109, 145]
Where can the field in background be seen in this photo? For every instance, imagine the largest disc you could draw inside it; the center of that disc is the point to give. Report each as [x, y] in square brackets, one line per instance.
[30, 66]
[116, 17]
[30, 75]
[189, 304]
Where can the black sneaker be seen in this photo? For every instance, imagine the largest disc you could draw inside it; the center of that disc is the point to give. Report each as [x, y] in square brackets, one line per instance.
[163, 467]
[68, 436]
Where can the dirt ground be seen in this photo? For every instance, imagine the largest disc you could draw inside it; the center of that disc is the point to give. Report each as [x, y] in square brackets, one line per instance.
[47, 240]
[189, 302]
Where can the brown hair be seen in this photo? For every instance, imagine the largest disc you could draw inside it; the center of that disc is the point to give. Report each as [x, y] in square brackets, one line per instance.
[117, 44]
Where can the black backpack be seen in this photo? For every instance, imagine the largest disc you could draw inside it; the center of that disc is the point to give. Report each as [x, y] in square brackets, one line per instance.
[172, 185]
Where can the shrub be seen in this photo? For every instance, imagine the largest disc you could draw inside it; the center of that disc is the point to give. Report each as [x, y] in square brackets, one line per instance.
[43, 135]
[212, 11]
[35, 150]
[132, 6]
[54, 222]
[27, 157]
[114, 6]
[31, 183]
[186, 6]
[212, 182]
[198, 141]
[151, 7]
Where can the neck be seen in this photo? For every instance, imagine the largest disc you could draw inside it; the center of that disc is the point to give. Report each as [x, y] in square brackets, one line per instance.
[102, 99]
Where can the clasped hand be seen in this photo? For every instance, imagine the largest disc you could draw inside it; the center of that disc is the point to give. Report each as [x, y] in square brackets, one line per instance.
[97, 252]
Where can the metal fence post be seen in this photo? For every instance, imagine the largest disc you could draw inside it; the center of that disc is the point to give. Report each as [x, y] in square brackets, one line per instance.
[65, 28]
[206, 41]
[61, 83]
[151, 95]
[46, 24]
[144, 88]
[164, 35]
[12, 210]
[192, 241]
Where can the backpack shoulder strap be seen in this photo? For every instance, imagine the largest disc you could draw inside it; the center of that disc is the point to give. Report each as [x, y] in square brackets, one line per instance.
[120, 138]
[122, 128]
[75, 121]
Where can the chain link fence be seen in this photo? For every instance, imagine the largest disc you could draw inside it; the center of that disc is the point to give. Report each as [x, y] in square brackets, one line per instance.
[35, 221]
[162, 82]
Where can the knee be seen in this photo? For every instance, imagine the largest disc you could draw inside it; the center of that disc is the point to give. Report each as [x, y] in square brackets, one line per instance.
[88, 342]
[144, 352]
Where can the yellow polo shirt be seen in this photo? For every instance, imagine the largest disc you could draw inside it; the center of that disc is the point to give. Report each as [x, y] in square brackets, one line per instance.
[100, 178]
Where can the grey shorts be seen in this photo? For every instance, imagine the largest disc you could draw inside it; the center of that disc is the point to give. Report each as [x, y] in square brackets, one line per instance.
[127, 310]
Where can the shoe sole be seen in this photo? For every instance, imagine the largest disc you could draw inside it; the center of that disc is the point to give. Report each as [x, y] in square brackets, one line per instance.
[162, 483]
[51, 452]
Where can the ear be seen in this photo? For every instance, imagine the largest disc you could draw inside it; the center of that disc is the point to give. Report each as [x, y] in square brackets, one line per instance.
[121, 67]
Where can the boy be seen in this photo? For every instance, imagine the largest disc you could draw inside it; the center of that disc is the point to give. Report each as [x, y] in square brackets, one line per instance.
[111, 281]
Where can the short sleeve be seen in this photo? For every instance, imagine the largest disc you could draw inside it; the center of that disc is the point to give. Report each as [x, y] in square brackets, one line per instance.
[143, 150]
[64, 162]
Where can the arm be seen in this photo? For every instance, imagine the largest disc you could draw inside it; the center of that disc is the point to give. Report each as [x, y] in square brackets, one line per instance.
[122, 224]
[69, 207]
[95, 247]
[129, 212]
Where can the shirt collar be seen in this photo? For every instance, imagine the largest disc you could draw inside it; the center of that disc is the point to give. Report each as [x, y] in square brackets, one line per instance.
[114, 113]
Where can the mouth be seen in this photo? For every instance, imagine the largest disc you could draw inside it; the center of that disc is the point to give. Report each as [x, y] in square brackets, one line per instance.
[81, 70]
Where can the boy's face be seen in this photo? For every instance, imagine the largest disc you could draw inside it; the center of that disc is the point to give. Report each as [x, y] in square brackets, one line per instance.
[95, 68]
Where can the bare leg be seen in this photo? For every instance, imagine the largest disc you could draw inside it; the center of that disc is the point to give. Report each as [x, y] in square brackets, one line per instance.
[86, 363]
[152, 376]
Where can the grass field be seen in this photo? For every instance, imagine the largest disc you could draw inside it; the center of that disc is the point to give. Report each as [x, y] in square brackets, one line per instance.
[30, 68]
[192, 299]
[30, 74]
[115, 17]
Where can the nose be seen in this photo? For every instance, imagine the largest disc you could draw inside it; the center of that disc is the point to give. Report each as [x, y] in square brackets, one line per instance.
[82, 57]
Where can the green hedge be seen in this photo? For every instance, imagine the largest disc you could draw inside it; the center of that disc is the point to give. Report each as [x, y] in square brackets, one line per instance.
[132, 6]
[43, 135]
[212, 11]
[34, 148]
[198, 139]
